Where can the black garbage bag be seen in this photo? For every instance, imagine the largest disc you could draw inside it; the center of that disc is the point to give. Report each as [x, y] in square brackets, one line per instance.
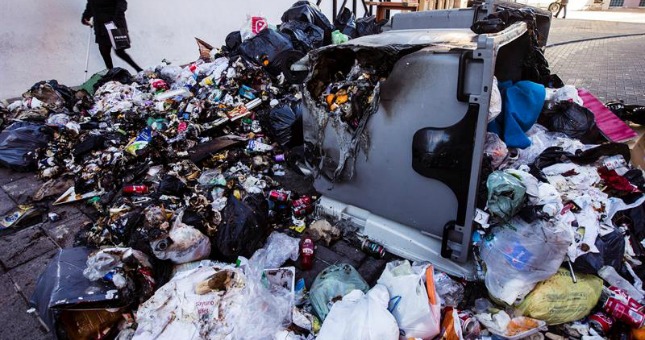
[611, 249]
[306, 11]
[233, 42]
[304, 36]
[19, 142]
[244, 228]
[62, 286]
[90, 143]
[345, 22]
[286, 124]
[171, 185]
[274, 50]
[573, 120]
[121, 75]
[369, 25]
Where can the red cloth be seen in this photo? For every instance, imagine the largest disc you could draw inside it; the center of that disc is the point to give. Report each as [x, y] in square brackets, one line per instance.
[616, 182]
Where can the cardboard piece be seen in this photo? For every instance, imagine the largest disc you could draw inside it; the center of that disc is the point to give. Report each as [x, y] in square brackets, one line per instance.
[638, 153]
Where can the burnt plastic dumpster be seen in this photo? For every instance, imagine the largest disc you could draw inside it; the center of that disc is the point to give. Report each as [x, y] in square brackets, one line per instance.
[414, 186]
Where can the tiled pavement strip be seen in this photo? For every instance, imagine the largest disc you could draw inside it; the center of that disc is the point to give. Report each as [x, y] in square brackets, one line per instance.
[611, 68]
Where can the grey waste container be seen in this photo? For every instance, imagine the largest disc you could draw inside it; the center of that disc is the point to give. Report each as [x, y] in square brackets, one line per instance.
[416, 191]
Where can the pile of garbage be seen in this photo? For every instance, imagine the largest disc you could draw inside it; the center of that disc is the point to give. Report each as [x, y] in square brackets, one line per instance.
[196, 235]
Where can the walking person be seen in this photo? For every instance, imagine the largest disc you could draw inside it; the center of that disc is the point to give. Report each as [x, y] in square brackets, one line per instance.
[563, 5]
[105, 11]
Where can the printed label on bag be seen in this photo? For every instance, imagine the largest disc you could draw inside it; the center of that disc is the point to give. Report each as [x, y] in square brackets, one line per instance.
[518, 256]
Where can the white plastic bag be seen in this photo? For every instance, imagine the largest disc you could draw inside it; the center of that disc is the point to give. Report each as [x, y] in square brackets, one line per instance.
[565, 93]
[495, 107]
[252, 26]
[361, 316]
[411, 308]
[177, 311]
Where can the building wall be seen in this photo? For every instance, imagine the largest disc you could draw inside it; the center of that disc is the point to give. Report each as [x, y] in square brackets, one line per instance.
[574, 5]
[41, 40]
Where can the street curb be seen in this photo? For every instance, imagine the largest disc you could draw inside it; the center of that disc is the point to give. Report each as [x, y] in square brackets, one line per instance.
[597, 38]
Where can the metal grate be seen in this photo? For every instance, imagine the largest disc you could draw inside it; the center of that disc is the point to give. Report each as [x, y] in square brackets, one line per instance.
[617, 3]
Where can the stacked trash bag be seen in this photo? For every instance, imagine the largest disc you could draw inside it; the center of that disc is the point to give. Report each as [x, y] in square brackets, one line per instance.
[195, 236]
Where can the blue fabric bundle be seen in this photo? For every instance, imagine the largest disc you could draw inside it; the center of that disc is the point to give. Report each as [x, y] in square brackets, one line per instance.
[521, 105]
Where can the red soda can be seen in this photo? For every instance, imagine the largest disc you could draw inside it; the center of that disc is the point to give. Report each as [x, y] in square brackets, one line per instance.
[631, 302]
[135, 189]
[302, 206]
[307, 253]
[470, 327]
[302, 201]
[279, 196]
[601, 322]
[302, 211]
[623, 312]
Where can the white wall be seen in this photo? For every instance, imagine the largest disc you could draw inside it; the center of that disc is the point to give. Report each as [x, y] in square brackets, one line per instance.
[44, 39]
[574, 5]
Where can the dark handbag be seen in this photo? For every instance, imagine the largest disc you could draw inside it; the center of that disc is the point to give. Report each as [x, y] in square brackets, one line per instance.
[118, 37]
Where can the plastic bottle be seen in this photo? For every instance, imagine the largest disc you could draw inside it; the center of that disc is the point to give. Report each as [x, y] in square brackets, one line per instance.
[307, 253]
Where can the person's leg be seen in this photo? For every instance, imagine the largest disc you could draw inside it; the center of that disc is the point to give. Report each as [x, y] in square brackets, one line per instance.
[558, 12]
[126, 57]
[105, 53]
[565, 12]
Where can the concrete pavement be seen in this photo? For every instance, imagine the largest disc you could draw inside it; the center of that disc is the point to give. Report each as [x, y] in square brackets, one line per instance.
[602, 56]
[605, 57]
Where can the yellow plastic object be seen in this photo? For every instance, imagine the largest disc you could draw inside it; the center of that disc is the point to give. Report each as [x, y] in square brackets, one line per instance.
[558, 300]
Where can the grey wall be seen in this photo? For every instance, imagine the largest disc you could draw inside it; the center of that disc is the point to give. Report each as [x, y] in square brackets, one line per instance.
[44, 39]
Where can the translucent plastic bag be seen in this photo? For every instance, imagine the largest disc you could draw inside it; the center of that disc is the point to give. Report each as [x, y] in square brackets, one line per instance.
[278, 249]
[332, 283]
[361, 316]
[521, 254]
[541, 139]
[184, 243]
[496, 149]
[416, 316]
[261, 312]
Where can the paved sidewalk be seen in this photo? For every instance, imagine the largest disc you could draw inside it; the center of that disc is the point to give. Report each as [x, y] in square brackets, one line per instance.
[611, 68]
[24, 253]
[572, 30]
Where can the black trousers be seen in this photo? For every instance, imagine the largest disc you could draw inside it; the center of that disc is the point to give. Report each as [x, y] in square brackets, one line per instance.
[107, 58]
[565, 11]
